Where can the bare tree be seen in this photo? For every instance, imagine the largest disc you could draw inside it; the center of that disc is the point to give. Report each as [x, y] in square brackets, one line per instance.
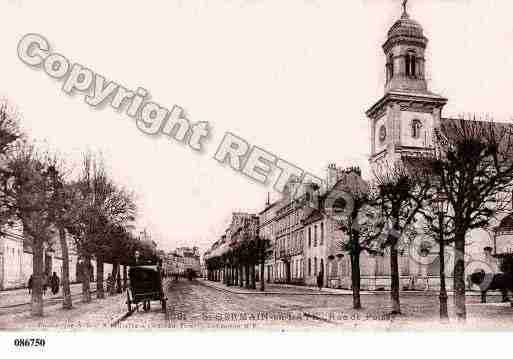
[350, 207]
[401, 194]
[60, 212]
[89, 193]
[474, 163]
[438, 224]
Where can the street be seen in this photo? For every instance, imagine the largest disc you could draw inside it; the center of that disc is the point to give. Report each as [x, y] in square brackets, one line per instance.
[200, 304]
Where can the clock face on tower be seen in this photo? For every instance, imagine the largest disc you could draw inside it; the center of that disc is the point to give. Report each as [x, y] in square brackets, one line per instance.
[382, 133]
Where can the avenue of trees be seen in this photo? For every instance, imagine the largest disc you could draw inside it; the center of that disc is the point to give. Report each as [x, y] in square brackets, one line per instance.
[50, 199]
[236, 265]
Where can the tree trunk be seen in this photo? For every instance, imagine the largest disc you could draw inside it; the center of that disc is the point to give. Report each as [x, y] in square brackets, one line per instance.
[86, 279]
[228, 276]
[253, 277]
[118, 279]
[355, 279]
[36, 305]
[459, 274]
[246, 270]
[394, 280]
[66, 291]
[100, 294]
[113, 284]
[262, 269]
[444, 315]
[125, 277]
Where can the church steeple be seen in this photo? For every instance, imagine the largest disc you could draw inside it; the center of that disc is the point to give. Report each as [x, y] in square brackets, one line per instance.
[402, 121]
[404, 53]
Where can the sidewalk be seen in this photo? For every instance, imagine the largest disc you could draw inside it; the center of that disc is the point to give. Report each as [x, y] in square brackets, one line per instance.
[99, 313]
[291, 289]
[22, 296]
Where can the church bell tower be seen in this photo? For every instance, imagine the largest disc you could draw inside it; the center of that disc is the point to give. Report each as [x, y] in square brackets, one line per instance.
[402, 121]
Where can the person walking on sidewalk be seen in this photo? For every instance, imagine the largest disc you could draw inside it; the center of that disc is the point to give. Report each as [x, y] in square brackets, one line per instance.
[45, 283]
[54, 283]
[320, 279]
[29, 284]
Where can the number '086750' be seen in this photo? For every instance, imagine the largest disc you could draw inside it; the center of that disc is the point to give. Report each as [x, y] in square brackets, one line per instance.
[29, 342]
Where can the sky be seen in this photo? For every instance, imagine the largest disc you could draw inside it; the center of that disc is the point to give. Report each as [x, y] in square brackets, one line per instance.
[293, 77]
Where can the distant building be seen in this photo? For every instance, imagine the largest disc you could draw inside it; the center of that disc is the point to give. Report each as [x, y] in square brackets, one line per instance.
[182, 260]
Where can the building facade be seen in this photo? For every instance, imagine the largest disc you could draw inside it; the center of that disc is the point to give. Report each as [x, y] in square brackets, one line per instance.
[16, 264]
[307, 239]
[182, 261]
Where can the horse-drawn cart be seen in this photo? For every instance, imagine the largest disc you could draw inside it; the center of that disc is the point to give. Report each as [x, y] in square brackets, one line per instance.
[145, 286]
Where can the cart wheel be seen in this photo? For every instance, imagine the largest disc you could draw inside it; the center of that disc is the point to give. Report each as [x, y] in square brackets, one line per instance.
[128, 303]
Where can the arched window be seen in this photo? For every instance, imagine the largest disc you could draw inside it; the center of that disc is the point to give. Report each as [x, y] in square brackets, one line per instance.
[322, 233]
[410, 63]
[416, 126]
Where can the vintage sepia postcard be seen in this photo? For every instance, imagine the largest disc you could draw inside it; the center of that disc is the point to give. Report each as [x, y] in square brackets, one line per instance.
[306, 165]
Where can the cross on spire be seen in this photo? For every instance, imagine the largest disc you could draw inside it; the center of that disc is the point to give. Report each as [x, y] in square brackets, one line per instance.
[405, 2]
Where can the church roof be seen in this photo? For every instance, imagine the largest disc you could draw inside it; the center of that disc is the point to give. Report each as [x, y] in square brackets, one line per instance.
[406, 26]
[405, 30]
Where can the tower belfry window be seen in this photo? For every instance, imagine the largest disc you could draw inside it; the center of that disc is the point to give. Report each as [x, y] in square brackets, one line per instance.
[410, 64]
[390, 67]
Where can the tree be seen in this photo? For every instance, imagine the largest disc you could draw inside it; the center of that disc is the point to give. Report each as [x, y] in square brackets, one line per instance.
[118, 210]
[26, 192]
[122, 248]
[90, 194]
[473, 160]
[349, 206]
[401, 194]
[264, 253]
[438, 225]
[10, 136]
[60, 215]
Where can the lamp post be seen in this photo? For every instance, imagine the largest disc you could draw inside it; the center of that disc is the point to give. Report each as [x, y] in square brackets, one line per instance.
[442, 206]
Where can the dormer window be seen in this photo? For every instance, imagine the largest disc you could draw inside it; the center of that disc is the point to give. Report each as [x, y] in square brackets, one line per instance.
[411, 64]
[416, 126]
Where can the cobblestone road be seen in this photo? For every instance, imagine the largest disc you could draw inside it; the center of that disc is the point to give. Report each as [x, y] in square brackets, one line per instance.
[195, 305]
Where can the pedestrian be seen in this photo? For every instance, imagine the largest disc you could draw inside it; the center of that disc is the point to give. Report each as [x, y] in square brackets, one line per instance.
[44, 283]
[320, 280]
[29, 284]
[54, 283]
[110, 283]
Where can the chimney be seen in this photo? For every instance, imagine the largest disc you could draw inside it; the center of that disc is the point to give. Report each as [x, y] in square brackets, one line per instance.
[331, 176]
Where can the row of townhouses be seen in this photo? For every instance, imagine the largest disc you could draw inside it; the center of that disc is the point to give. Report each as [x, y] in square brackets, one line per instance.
[181, 261]
[306, 241]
